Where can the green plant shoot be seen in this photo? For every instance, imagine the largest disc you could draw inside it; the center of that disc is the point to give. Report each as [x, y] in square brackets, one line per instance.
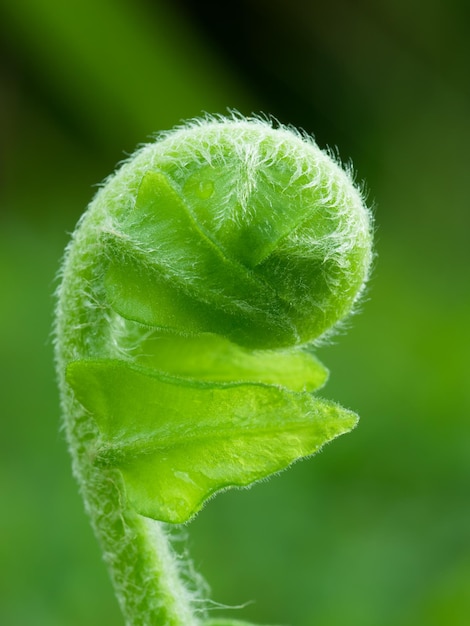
[193, 291]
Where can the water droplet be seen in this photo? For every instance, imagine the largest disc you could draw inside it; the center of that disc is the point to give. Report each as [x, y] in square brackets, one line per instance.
[205, 189]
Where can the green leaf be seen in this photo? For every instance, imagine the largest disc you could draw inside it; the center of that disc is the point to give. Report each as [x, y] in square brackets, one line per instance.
[177, 442]
[184, 280]
[162, 224]
[212, 358]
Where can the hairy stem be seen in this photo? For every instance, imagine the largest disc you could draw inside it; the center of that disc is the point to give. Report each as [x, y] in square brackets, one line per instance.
[143, 567]
[137, 550]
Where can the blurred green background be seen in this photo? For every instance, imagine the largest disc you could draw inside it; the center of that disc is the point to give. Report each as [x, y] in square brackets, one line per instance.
[375, 531]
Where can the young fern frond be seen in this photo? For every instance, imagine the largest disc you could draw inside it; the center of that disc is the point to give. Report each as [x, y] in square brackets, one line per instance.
[192, 292]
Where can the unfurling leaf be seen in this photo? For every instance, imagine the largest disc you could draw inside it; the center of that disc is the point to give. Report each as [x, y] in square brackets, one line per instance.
[192, 439]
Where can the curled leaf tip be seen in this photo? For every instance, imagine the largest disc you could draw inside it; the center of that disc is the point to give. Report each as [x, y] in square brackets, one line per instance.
[194, 288]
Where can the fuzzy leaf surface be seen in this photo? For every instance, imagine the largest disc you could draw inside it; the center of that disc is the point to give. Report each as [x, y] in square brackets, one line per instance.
[177, 442]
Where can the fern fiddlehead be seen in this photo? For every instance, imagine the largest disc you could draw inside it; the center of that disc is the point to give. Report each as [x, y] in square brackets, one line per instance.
[192, 291]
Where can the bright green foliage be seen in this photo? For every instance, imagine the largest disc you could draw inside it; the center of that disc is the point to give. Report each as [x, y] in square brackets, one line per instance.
[193, 291]
[191, 439]
[247, 231]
